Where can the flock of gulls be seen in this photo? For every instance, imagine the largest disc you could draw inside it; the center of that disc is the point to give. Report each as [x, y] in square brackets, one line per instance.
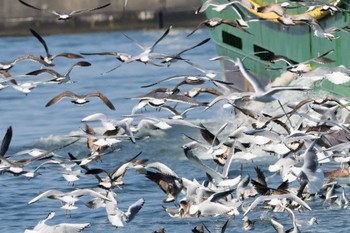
[308, 139]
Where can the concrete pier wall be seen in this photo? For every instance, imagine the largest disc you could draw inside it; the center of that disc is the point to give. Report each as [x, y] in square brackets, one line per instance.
[16, 18]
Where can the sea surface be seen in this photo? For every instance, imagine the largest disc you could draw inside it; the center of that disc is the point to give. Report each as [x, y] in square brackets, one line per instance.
[37, 126]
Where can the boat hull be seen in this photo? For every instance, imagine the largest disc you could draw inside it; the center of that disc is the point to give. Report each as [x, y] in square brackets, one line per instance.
[272, 38]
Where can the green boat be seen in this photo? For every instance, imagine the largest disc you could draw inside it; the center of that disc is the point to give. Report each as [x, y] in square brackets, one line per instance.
[270, 37]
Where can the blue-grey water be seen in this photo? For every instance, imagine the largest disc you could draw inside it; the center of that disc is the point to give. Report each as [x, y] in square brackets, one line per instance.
[37, 126]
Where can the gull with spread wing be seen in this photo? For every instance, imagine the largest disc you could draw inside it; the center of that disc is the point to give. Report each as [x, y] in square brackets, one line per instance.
[64, 16]
[116, 216]
[8, 65]
[145, 56]
[81, 99]
[42, 227]
[57, 77]
[214, 22]
[260, 93]
[68, 199]
[49, 57]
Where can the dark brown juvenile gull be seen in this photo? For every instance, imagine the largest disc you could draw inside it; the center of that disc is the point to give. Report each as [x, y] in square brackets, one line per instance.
[81, 99]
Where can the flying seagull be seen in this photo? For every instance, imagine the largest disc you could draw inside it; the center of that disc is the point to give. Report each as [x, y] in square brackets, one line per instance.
[301, 66]
[64, 16]
[5, 66]
[59, 78]
[62, 227]
[81, 99]
[49, 58]
[216, 5]
[260, 93]
[214, 22]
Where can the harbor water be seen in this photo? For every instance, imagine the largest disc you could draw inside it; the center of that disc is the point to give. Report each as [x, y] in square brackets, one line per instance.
[37, 126]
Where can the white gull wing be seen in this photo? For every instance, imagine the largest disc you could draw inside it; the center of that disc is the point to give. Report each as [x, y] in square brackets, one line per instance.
[54, 194]
[213, 145]
[112, 124]
[116, 216]
[108, 123]
[277, 226]
[227, 165]
[133, 210]
[198, 163]
[86, 191]
[68, 227]
[161, 167]
[41, 227]
[275, 90]
[257, 86]
[113, 213]
[217, 6]
[294, 222]
[209, 209]
[270, 197]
